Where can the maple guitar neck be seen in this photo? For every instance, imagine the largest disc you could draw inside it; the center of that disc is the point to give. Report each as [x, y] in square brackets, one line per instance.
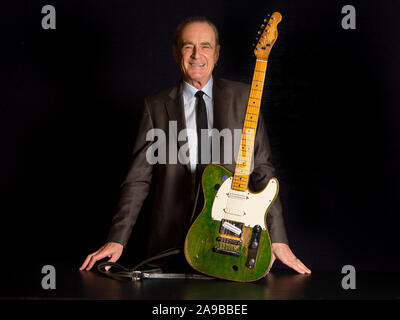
[262, 50]
[243, 163]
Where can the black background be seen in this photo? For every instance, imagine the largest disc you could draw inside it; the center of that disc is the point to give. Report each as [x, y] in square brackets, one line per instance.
[71, 100]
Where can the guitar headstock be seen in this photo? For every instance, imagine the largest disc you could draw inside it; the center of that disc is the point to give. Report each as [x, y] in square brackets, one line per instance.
[268, 35]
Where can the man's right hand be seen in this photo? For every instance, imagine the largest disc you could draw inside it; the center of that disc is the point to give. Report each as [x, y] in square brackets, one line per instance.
[112, 250]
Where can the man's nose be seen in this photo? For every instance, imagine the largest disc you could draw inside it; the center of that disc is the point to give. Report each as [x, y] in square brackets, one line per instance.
[195, 52]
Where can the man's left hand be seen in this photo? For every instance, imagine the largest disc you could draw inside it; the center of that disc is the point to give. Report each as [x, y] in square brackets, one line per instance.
[282, 252]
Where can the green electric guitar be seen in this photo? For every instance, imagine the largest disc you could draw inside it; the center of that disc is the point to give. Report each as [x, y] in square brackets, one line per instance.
[229, 239]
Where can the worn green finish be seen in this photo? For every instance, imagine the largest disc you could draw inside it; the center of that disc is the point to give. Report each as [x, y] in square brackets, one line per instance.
[202, 235]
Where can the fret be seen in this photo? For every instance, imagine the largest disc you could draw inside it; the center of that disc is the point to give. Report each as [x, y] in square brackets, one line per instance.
[251, 120]
[254, 105]
[245, 154]
[244, 134]
[245, 157]
[241, 186]
[253, 101]
[242, 171]
[242, 157]
[250, 132]
[241, 179]
[248, 145]
[239, 189]
[254, 109]
[250, 136]
[250, 125]
[240, 183]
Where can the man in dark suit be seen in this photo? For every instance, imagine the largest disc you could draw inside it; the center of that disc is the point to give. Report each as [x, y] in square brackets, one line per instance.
[196, 50]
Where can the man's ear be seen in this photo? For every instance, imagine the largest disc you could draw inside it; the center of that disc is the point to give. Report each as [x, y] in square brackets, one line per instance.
[175, 54]
[217, 49]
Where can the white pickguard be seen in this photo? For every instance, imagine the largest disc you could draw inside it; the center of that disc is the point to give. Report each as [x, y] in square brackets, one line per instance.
[246, 207]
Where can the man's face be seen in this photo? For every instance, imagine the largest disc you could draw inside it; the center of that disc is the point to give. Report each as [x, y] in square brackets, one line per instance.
[197, 53]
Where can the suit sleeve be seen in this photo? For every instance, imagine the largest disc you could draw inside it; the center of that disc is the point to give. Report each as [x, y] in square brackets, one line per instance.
[135, 187]
[262, 172]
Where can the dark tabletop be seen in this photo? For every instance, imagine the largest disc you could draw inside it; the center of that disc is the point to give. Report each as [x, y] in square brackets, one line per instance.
[279, 284]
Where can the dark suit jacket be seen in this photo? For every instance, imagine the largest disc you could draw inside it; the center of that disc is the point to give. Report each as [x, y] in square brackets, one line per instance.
[172, 183]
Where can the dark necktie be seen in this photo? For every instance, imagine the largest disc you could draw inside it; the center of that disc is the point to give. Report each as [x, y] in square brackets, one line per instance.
[201, 120]
[201, 124]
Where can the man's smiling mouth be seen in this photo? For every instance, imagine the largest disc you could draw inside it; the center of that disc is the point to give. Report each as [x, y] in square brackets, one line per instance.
[197, 64]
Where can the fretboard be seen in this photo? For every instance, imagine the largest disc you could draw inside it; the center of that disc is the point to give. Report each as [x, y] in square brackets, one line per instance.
[243, 162]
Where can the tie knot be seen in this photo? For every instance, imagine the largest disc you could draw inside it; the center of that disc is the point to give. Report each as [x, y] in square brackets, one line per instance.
[199, 94]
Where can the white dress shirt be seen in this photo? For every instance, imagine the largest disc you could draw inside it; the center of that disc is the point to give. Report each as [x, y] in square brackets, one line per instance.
[189, 102]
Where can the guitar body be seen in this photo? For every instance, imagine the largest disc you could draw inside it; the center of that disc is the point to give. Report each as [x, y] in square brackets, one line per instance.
[231, 229]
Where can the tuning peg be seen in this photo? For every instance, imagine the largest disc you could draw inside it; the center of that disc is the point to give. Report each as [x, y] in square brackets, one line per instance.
[262, 26]
[259, 32]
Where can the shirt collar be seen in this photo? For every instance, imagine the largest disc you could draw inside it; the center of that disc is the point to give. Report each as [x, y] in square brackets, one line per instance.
[189, 91]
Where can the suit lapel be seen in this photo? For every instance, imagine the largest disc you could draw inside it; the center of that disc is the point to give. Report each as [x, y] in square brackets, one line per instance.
[176, 112]
[219, 106]
[221, 114]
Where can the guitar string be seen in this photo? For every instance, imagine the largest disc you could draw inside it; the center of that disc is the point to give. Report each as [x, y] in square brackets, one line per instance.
[259, 77]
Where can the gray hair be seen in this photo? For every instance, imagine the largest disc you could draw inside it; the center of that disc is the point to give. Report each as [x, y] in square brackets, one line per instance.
[187, 21]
